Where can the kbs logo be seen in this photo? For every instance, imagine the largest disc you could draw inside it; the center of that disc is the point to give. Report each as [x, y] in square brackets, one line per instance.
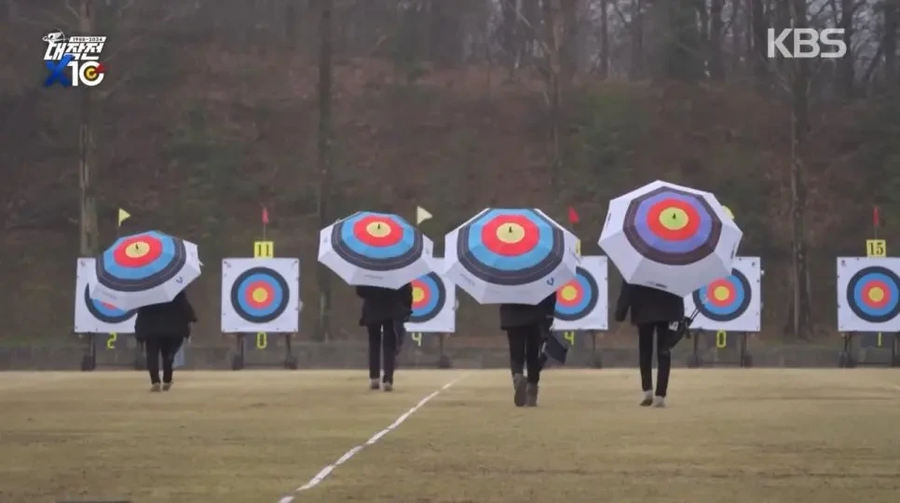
[807, 43]
[80, 54]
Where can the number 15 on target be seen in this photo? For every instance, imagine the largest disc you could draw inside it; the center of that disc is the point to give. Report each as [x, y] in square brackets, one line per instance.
[876, 248]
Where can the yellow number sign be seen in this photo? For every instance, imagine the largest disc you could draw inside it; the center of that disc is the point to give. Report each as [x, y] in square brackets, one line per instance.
[263, 249]
[570, 337]
[880, 342]
[876, 248]
[721, 339]
[417, 338]
[111, 340]
[262, 340]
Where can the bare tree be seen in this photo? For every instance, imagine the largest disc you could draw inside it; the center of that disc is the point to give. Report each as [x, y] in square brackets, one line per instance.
[715, 42]
[604, 38]
[325, 134]
[89, 235]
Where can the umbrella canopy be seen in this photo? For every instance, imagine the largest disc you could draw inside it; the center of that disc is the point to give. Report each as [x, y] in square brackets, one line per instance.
[375, 249]
[670, 237]
[144, 269]
[517, 256]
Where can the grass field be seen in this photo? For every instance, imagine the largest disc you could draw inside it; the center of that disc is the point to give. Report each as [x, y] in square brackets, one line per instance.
[256, 436]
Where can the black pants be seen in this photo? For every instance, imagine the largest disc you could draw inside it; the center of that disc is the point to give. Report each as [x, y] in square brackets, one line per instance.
[663, 356]
[525, 351]
[382, 341]
[162, 348]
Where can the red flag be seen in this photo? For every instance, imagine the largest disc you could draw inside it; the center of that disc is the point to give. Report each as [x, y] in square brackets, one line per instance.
[875, 216]
[265, 216]
[573, 216]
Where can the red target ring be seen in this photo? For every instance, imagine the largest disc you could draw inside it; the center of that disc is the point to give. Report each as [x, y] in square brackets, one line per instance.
[720, 293]
[377, 231]
[421, 294]
[259, 294]
[683, 217]
[571, 294]
[510, 235]
[876, 294]
[138, 251]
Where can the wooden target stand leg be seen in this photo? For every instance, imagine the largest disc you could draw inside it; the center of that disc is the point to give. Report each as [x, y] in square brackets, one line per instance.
[444, 361]
[694, 360]
[596, 360]
[89, 358]
[846, 359]
[238, 360]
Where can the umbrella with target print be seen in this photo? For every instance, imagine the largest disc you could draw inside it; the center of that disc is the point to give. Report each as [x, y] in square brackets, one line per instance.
[670, 237]
[375, 249]
[510, 256]
[144, 269]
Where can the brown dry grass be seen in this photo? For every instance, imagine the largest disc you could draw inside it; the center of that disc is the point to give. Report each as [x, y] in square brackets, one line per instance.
[728, 435]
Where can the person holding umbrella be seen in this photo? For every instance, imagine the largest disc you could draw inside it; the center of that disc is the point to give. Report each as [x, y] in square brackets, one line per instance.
[149, 272]
[383, 313]
[381, 254]
[652, 311]
[667, 240]
[526, 327]
[517, 258]
[163, 328]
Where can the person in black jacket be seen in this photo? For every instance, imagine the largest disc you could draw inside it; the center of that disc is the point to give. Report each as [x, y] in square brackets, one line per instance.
[383, 310]
[163, 328]
[652, 311]
[526, 326]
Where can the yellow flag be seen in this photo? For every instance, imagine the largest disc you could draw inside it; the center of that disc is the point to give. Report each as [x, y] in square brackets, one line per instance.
[123, 215]
[422, 215]
[728, 212]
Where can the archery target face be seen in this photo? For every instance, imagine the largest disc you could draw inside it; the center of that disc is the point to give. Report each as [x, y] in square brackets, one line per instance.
[377, 241]
[672, 227]
[260, 295]
[141, 262]
[582, 303]
[868, 294]
[93, 316]
[731, 303]
[434, 301]
[510, 247]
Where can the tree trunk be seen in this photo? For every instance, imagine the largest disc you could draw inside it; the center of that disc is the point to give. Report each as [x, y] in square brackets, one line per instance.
[845, 66]
[759, 27]
[891, 22]
[802, 322]
[554, 30]
[568, 43]
[604, 39]
[89, 242]
[323, 325]
[637, 40]
[716, 35]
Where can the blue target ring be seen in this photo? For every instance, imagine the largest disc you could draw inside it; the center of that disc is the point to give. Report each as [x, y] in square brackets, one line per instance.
[577, 298]
[141, 262]
[510, 246]
[873, 294]
[377, 241]
[724, 299]
[105, 313]
[260, 295]
[429, 298]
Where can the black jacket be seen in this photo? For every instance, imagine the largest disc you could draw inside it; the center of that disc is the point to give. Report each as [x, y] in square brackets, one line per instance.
[522, 315]
[383, 305]
[648, 305]
[168, 319]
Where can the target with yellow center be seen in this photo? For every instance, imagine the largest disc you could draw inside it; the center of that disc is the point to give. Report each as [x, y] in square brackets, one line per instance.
[577, 298]
[873, 294]
[260, 295]
[141, 262]
[377, 241]
[429, 298]
[672, 226]
[724, 299]
[510, 246]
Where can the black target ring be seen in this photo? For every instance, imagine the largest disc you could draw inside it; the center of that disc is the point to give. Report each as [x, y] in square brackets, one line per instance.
[577, 298]
[248, 286]
[106, 314]
[433, 297]
[730, 308]
[860, 291]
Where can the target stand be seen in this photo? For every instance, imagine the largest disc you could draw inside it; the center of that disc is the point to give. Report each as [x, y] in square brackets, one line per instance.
[104, 328]
[261, 307]
[728, 313]
[433, 313]
[849, 358]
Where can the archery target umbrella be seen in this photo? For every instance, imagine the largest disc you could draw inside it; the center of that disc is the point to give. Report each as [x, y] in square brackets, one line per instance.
[517, 256]
[375, 249]
[144, 269]
[670, 237]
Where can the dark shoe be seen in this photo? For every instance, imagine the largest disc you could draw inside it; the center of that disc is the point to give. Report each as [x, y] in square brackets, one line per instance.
[167, 386]
[374, 384]
[155, 387]
[531, 392]
[648, 399]
[519, 389]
